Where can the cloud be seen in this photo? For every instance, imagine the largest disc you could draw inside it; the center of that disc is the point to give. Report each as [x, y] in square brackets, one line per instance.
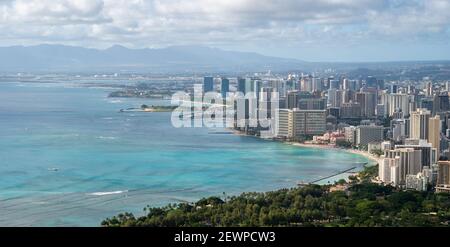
[156, 23]
[47, 12]
[413, 18]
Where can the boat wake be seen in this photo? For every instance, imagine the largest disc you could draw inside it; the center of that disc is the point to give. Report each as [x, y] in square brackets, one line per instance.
[107, 137]
[108, 193]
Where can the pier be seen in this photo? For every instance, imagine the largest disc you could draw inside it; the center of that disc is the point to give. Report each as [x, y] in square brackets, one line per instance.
[301, 183]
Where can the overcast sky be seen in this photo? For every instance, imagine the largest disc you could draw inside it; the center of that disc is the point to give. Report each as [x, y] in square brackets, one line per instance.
[312, 30]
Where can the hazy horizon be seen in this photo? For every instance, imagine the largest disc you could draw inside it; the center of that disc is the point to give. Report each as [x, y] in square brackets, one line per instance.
[222, 49]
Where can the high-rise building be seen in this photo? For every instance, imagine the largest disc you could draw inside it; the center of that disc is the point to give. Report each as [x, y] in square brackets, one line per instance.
[445, 117]
[366, 134]
[398, 130]
[317, 84]
[347, 95]
[350, 110]
[367, 101]
[335, 97]
[296, 123]
[208, 84]
[371, 82]
[395, 102]
[334, 84]
[411, 89]
[398, 115]
[312, 103]
[427, 103]
[257, 87]
[429, 154]
[334, 111]
[282, 102]
[309, 122]
[443, 177]
[412, 107]
[388, 170]
[394, 88]
[241, 85]
[285, 123]
[443, 173]
[279, 86]
[224, 87]
[355, 85]
[252, 84]
[419, 124]
[434, 133]
[441, 103]
[265, 103]
[409, 163]
[380, 111]
[429, 89]
[306, 84]
[292, 99]
[346, 84]
[351, 85]
[327, 82]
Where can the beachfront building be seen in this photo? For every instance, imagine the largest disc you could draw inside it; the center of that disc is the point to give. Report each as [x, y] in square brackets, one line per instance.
[366, 134]
[285, 123]
[309, 122]
[297, 123]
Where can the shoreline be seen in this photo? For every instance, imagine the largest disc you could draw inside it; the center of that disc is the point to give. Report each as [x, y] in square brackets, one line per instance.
[371, 157]
[373, 160]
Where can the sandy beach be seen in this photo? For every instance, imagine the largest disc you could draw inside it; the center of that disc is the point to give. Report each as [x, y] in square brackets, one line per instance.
[366, 154]
[375, 160]
[372, 157]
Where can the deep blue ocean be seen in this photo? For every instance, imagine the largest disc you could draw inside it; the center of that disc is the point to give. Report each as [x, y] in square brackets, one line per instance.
[68, 157]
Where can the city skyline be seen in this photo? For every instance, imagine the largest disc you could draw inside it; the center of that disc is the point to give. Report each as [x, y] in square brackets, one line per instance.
[225, 113]
[324, 30]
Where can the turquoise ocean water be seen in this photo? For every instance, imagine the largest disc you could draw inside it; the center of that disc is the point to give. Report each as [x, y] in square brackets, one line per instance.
[69, 158]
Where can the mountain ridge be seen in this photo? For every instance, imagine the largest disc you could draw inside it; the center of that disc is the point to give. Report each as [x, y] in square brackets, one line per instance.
[174, 58]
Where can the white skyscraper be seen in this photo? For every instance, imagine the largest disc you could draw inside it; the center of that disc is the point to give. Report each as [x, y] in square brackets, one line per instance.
[419, 124]
[395, 102]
